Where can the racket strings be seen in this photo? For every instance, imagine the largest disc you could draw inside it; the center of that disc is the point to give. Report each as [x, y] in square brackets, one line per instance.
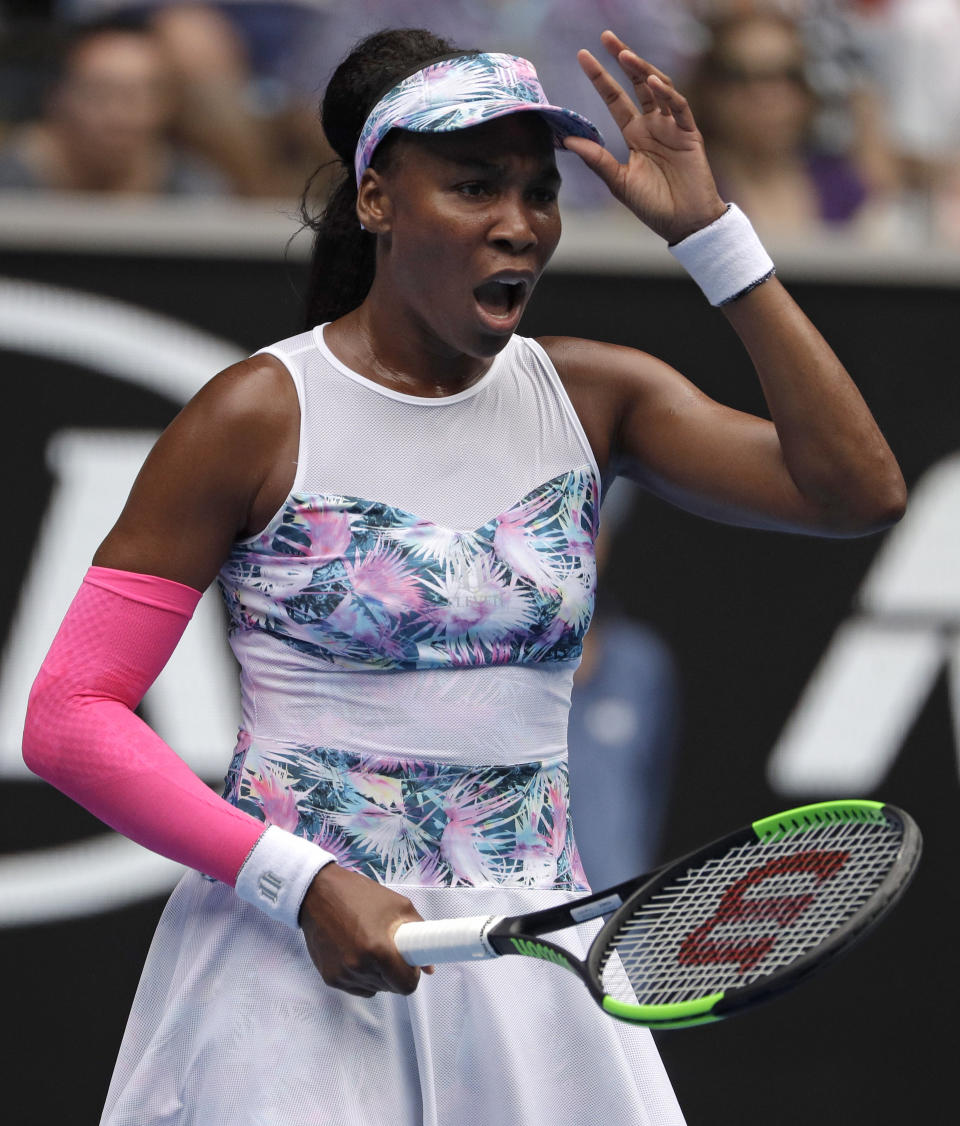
[747, 914]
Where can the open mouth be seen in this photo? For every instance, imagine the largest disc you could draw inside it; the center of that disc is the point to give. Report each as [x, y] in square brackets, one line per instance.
[500, 298]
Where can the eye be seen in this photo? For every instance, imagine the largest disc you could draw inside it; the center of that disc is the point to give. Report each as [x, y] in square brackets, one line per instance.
[474, 189]
[544, 195]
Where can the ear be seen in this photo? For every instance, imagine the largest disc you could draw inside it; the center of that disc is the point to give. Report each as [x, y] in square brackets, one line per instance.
[374, 206]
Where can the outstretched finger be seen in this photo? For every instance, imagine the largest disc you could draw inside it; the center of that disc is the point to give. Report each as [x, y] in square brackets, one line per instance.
[672, 103]
[621, 106]
[637, 69]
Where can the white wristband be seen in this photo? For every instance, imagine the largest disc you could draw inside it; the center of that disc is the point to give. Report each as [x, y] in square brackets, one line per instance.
[277, 873]
[725, 259]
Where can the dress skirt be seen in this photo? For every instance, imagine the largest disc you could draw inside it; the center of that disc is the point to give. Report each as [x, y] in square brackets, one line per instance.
[232, 1025]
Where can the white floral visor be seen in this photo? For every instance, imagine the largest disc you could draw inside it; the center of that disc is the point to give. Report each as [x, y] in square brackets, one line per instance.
[457, 93]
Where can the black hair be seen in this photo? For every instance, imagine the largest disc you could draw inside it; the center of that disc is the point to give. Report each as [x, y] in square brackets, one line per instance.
[75, 36]
[343, 261]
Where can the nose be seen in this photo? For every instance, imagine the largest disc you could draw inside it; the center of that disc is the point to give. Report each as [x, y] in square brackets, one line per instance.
[513, 228]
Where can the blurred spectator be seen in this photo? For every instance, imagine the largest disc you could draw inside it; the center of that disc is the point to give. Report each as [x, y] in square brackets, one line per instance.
[248, 73]
[849, 119]
[754, 102]
[914, 47]
[249, 88]
[624, 728]
[105, 123]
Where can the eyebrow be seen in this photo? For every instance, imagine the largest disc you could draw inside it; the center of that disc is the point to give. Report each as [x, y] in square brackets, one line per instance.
[549, 172]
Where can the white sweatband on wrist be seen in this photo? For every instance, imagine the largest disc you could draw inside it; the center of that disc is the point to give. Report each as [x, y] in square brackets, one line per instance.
[277, 873]
[725, 259]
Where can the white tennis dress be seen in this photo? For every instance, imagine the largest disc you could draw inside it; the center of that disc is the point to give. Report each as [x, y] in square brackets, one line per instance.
[407, 627]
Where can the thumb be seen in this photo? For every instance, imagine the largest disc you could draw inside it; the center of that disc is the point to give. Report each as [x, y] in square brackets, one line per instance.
[595, 157]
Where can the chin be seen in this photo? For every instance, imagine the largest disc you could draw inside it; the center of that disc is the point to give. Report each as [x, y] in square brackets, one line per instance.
[472, 340]
[492, 344]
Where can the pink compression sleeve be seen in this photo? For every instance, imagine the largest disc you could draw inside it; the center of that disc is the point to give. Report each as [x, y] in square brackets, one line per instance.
[82, 735]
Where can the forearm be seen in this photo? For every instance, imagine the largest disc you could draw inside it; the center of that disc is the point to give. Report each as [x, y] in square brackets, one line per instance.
[831, 444]
[83, 736]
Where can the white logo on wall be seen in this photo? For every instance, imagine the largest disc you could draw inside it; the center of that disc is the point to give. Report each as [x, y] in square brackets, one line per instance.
[878, 671]
[193, 703]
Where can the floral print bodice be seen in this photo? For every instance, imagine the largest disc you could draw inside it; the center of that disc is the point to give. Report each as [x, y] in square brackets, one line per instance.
[360, 584]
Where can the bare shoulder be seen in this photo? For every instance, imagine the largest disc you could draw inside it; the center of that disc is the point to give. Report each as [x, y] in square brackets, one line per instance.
[237, 422]
[221, 469]
[239, 432]
[598, 365]
[256, 391]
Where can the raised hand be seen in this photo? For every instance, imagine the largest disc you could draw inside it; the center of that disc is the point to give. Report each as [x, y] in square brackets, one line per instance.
[666, 182]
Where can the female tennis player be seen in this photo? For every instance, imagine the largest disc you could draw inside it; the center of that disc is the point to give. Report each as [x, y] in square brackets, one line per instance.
[400, 506]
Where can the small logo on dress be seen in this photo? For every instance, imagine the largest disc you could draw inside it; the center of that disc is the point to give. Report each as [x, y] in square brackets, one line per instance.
[269, 885]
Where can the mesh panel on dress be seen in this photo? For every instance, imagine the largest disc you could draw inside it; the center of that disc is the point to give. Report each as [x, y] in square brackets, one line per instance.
[456, 460]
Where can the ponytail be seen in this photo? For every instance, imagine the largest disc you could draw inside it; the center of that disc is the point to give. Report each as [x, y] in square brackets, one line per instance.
[343, 259]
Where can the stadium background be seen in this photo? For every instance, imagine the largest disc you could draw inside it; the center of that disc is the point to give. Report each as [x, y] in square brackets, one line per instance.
[748, 615]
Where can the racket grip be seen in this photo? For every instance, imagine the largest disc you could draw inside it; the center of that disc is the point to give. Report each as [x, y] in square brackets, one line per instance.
[446, 940]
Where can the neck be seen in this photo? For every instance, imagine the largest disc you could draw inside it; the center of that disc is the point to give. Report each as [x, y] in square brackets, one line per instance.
[384, 342]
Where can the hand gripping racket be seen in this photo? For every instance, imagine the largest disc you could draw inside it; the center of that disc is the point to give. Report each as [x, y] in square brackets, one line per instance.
[721, 929]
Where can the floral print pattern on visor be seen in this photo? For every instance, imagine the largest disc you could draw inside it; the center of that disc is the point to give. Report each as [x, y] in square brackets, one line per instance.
[458, 93]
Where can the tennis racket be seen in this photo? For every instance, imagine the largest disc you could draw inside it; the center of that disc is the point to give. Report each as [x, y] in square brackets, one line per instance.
[725, 927]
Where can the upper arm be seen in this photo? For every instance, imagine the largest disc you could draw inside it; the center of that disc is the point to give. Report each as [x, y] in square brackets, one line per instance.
[648, 422]
[225, 463]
